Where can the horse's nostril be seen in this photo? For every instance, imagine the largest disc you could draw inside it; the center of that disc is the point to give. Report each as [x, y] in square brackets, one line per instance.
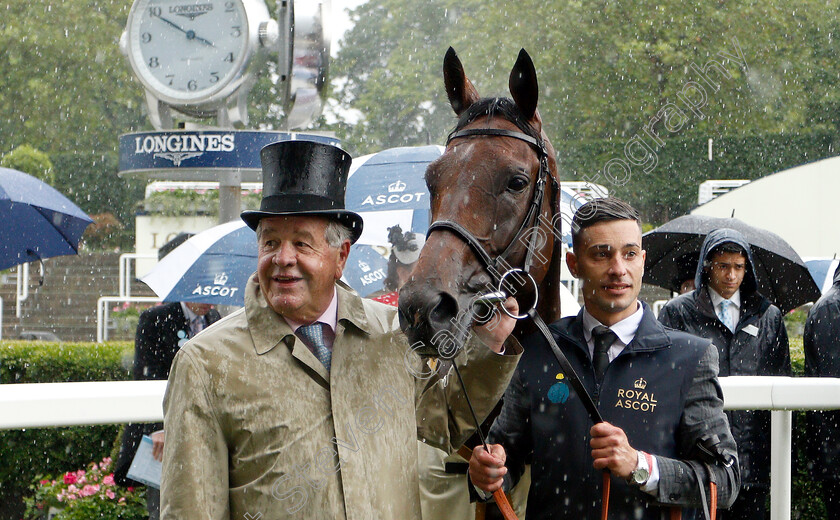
[444, 310]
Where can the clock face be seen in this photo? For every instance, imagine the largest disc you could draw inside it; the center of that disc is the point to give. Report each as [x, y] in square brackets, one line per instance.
[187, 50]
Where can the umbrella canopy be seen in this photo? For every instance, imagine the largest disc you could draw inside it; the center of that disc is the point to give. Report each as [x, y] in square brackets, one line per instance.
[388, 188]
[214, 267]
[822, 271]
[781, 274]
[38, 221]
[211, 267]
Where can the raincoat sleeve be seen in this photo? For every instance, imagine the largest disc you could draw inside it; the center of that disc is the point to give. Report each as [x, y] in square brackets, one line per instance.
[195, 458]
[443, 416]
[703, 415]
[778, 359]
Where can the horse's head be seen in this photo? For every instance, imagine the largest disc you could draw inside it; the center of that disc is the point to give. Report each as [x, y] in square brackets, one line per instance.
[492, 206]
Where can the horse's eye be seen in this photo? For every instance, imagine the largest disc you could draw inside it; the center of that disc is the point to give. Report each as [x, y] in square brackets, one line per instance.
[517, 183]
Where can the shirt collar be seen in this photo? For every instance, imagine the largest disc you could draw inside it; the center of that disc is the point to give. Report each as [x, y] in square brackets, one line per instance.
[717, 298]
[329, 317]
[189, 314]
[624, 329]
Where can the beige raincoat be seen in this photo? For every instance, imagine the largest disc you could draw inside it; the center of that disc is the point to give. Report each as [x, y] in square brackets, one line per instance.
[256, 428]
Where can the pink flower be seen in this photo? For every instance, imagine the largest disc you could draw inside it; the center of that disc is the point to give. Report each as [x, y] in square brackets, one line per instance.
[44, 482]
[108, 480]
[110, 494]
[69, 478]
[72, 489]
[106, 461]
[121, 500]
[89, 490]
[131, 489]
[60, 497]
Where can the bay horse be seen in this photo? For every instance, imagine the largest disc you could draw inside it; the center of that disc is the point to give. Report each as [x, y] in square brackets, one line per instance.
[493, 208]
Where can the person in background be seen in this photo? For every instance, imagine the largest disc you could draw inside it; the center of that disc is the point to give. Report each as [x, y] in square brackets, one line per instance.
[822, 359]
[657, 390]
[749, 333]
[161, 331]
[405, 250]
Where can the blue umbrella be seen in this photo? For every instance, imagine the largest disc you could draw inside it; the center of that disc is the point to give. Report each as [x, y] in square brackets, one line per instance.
[214, 266]
[211, 267]
[822, 271]
[366, 269]
[388, 188]
[38, 221]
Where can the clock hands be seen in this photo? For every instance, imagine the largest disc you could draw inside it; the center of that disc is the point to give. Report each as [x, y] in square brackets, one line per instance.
[190, 33]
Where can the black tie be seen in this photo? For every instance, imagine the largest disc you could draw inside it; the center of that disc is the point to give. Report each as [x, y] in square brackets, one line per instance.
[603, 339]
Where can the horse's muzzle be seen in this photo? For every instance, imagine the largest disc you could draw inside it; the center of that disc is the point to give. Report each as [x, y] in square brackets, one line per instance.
[431, 321]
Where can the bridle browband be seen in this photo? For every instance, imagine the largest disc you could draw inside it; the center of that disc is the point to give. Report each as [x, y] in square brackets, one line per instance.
[531, 217]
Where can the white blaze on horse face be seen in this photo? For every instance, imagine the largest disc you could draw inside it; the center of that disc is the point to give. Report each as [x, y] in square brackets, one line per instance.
[610, 263]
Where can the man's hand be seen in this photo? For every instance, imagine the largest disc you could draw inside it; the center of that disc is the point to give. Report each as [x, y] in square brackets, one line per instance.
[157, 445]
[496, 331]
[612, 451]
[488, 469]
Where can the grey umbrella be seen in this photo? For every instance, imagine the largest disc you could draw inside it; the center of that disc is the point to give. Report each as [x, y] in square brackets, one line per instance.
[781, 274]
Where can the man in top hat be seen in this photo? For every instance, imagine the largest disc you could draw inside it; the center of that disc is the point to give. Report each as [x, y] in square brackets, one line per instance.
[307, 402]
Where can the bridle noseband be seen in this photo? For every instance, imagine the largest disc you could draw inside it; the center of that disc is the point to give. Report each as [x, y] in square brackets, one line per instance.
[499, 267]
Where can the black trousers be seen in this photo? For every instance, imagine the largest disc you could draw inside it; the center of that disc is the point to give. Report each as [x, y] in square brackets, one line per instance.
[751, 504]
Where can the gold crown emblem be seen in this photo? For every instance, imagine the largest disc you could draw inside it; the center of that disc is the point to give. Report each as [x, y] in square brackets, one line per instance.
[640, 383]
[397, 187]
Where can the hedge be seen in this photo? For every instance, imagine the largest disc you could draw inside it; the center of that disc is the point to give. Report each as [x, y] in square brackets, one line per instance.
[24, 454]
[27, 453]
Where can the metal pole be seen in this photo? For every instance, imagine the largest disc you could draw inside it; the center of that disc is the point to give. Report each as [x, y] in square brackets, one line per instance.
[230, 196]
[781, 427]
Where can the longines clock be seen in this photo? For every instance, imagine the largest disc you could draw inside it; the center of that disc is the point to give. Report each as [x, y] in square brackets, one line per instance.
[198, 56]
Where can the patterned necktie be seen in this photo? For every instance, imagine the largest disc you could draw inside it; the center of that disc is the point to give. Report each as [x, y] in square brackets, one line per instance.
[196, 325]
[725, 316]
[603, 339]
[313, 335]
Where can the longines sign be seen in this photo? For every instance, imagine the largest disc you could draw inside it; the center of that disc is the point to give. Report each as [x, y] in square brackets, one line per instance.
[199, 155]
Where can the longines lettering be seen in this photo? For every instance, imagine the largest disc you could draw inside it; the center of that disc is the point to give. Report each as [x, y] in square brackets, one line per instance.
[191, 9]
[184, 143]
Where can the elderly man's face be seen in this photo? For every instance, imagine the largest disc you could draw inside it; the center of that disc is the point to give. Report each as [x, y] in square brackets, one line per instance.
[297, 267]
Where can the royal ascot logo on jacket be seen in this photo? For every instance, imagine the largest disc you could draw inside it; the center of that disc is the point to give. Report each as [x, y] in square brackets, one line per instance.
[181, 147]
[217, 289]
[396, 194]
[636, 398]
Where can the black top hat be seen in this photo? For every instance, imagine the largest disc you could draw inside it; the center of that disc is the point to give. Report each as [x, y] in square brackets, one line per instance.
[304, 178]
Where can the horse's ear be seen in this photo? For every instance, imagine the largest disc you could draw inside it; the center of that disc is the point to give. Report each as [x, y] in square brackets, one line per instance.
[523, 85]
[460, 90]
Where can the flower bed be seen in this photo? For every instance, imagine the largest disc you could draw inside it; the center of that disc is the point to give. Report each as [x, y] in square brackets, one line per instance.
[85, 494]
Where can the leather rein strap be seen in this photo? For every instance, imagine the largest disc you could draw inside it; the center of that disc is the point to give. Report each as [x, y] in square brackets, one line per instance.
[492, 267]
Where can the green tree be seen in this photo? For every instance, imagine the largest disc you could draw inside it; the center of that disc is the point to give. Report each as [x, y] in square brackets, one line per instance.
[26, 159]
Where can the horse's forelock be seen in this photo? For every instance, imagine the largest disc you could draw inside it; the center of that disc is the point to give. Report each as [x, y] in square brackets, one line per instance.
[498, 106]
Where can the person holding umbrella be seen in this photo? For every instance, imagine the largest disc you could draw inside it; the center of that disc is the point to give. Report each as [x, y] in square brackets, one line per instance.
[161, 331]
[751, 338]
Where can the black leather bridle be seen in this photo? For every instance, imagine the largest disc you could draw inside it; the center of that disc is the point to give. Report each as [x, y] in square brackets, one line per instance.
[492, 266]
[499, 265]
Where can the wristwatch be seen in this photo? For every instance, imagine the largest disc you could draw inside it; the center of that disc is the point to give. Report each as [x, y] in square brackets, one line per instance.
[640, 475]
